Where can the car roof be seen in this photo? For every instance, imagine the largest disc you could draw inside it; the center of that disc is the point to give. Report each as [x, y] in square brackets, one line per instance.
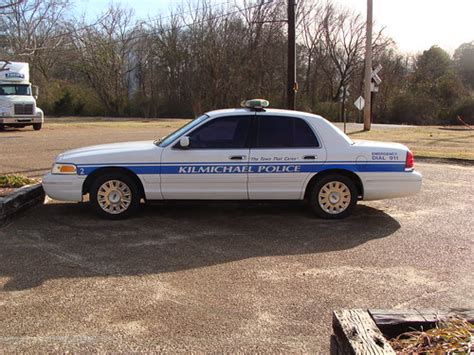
[272, 111]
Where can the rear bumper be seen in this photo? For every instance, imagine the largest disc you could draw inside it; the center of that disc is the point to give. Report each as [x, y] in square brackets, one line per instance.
[20, 121]
[64, 187]
[378, 186]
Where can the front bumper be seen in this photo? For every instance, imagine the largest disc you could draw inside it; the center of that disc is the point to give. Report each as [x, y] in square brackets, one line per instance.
[64, 187]
[19, 121]
[378, 186]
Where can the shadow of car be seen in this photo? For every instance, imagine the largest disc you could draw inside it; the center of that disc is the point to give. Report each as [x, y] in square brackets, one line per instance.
[66, 241]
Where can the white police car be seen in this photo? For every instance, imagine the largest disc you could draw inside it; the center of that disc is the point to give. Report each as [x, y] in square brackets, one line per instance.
[250, 153]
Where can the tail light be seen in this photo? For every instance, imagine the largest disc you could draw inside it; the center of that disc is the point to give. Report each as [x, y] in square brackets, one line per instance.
[410, 162]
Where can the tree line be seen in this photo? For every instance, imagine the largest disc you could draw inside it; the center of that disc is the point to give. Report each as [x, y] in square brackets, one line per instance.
[204, 56]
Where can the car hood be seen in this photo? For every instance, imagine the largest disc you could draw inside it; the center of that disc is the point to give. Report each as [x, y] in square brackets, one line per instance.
[110, 153]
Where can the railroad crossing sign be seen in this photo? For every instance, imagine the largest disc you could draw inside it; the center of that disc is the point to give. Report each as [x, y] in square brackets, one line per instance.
[359, 103]
[376, 79]
[344, 94]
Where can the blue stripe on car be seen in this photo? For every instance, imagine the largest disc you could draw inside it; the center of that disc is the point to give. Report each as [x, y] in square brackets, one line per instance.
[254, 168]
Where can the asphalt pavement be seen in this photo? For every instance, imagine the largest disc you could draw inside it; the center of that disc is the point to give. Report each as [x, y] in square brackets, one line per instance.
[220, 276]
[228, 277]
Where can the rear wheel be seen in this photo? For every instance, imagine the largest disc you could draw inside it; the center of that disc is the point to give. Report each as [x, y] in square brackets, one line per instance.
[114, 196]
[2, 127]
[37, 126]
[333, 196]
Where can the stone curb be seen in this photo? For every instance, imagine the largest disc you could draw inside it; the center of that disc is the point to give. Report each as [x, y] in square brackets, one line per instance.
[19, 201]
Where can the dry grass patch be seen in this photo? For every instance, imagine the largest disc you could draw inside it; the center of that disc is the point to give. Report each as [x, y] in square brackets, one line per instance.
[427, 141]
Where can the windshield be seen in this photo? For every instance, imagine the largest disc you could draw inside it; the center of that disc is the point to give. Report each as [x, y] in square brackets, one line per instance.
[12, 89]
[165, 141]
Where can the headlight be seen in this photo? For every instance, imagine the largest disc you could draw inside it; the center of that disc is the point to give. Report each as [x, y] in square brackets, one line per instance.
[59, 168]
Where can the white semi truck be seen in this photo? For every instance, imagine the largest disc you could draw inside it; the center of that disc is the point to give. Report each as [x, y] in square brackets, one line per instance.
[18, 97]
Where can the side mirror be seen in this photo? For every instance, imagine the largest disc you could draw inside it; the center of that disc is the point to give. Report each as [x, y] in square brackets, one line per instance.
[35, 91]
[184, 142]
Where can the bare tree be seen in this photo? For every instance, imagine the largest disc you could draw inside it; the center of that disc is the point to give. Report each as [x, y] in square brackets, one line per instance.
[106, 56]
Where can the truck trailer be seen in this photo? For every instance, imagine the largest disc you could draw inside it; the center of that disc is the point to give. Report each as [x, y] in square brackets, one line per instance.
[18, 97]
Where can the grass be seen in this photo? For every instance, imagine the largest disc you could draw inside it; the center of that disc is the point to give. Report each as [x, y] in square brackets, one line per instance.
[15, 181]
[455, 336]
[427, 141]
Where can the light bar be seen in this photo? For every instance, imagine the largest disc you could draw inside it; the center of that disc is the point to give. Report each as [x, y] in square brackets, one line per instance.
[255, 103]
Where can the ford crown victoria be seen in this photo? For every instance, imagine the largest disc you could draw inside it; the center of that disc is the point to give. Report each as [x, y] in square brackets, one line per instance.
[250, 153]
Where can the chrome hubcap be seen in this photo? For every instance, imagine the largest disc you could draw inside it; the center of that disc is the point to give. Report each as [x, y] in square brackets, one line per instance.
[114, 196]
[334, 197]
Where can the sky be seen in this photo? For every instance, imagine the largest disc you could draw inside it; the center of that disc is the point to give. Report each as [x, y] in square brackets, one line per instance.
[415, 25]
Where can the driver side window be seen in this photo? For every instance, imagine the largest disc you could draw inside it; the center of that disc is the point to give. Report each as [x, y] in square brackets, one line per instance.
[221, 133]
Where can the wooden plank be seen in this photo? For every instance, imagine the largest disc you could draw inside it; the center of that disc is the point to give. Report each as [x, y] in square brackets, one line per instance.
[393, 322]
[355, 332]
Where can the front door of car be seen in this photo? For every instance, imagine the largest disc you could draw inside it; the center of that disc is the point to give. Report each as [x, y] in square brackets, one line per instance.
[213, 166]
[284, 155]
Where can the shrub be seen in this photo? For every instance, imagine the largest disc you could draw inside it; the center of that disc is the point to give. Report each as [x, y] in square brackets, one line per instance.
[466, 110]
[14, 181]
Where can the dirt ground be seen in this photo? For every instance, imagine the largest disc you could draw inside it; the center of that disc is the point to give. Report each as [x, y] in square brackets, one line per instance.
[31, 153]
[219, 277]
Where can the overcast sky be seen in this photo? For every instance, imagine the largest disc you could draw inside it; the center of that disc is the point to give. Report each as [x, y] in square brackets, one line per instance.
[414, 24]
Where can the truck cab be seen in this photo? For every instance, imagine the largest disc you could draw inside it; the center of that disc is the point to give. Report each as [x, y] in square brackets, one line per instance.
[18, 97]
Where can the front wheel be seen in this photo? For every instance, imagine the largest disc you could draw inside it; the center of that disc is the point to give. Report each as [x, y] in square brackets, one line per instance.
[37, 126]
[114, 196]
[333, 196]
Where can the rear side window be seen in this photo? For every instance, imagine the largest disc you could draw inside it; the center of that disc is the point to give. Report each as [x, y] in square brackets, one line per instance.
[284, 132]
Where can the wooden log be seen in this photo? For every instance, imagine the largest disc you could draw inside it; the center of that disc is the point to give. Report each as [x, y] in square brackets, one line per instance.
[393, 322]
[355, 332]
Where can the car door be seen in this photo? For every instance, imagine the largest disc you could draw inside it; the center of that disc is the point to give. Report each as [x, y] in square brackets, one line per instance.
[284, 155]
[215, 164]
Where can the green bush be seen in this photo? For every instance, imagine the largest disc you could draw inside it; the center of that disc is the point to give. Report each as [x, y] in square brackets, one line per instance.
[15, 181]
[466, 110]
[328, 109]
[410, 109]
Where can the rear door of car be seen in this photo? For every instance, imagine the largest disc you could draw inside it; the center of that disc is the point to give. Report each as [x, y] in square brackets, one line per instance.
[215, 164]
[285, 153]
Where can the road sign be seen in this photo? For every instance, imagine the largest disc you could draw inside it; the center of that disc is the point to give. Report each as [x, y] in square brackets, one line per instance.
[376, 79]
[343, 95]
[377, 69]
[359, 103]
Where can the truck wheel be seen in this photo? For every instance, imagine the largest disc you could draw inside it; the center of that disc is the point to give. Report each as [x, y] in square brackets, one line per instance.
[114, 196]
[37, 126]
[333, 196]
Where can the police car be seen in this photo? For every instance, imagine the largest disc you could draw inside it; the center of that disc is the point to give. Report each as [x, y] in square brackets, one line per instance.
[250, 153]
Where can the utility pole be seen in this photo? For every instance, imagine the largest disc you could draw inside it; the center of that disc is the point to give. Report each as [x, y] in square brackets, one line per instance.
[292, 85]
[368, 69]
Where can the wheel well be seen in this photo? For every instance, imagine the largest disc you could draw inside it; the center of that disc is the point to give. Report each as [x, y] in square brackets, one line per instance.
[108, 170]
[351, 175]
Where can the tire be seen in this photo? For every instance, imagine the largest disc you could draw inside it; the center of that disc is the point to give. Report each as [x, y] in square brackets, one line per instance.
[108, 196]
[333, 196]
[37, 126]
[2, 127]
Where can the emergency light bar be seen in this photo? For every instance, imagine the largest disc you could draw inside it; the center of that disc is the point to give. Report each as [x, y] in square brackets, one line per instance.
[255, 103]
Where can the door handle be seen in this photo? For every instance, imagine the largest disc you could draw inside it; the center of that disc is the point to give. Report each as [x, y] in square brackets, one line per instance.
[310, 157]
[237, 157]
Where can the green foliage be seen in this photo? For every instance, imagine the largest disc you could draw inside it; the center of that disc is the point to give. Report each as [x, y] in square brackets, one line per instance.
[15, 181]
[465, 109]
[63, 98]
[409, 108]
[431, 65]
[464, 61]
[328, 109]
